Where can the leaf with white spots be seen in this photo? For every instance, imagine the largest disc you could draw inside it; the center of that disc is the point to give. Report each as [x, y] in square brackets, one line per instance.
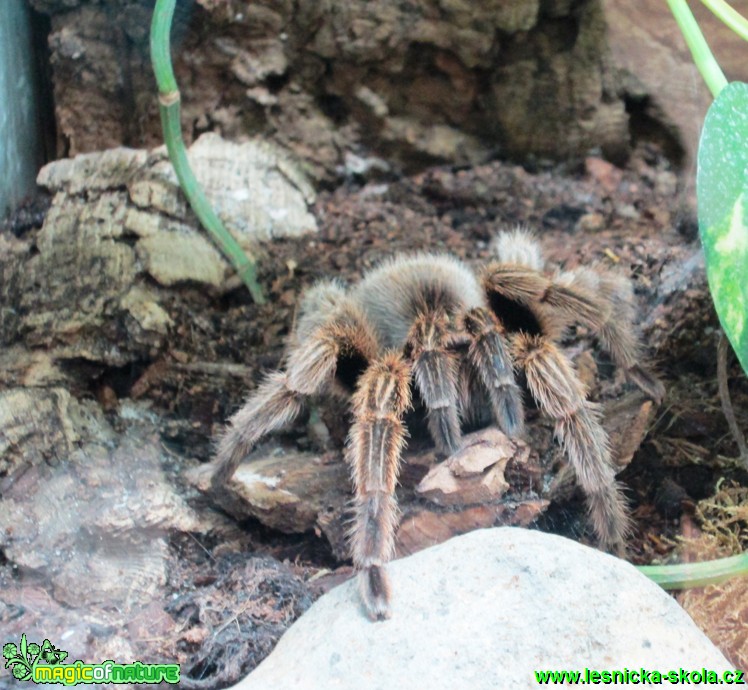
[722, 191]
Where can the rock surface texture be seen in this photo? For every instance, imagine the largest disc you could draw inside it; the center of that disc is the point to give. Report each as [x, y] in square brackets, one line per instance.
[486, 610]
[415, 82]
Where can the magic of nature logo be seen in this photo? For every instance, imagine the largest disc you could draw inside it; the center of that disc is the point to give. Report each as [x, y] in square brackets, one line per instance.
[29, 661]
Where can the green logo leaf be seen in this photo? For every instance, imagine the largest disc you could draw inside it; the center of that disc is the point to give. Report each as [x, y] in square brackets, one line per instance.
[22, 660]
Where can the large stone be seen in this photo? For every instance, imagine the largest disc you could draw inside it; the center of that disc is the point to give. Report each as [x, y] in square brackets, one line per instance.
[487, 610]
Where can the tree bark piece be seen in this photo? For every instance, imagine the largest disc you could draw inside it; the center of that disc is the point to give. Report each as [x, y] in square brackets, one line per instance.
[417, 82]
[89, 286]
[78, 509]
[492, 480]
[475, 473]
[286, 490]
[627, 422]
[425, 528]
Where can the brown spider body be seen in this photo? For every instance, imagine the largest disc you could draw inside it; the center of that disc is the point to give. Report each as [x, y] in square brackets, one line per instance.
[427, 324]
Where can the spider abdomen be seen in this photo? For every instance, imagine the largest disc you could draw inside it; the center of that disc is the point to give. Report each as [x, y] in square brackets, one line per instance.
[394, 294]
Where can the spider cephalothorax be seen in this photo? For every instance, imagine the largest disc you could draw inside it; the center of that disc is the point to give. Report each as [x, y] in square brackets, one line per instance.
[428, 323]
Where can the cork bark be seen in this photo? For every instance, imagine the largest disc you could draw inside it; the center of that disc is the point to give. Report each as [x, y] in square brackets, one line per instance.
[413, 83]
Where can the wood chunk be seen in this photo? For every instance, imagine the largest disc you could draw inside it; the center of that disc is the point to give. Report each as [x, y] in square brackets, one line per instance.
[427, 527]
[492, 480]
[627, 422]
[285, 490]
[256, 65]
[415, 466]
[298, 491]
[475, 474]
[335, 525]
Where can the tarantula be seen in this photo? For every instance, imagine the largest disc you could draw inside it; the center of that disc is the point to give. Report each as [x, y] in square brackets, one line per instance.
[428, 322]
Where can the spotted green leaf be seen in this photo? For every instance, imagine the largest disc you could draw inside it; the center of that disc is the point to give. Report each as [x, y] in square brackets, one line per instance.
[722, 193]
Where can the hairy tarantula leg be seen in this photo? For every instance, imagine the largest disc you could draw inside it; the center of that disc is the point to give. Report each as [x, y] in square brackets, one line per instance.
[436, 376]
[559, 392]
[614, 295]
[374, 447]
[272, 406]
[601, 304]
[276, 403]
[489, 357]
[526, 286]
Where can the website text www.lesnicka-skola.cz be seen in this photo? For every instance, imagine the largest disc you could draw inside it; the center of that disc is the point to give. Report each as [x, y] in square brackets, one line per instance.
[640, 676]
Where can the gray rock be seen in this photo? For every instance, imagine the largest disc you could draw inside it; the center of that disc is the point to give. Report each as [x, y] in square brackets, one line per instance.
[486, 610]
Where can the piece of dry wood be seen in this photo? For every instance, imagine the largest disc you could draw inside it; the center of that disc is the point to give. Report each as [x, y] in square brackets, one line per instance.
[492, 480]
[425, 528]
[286, 490]
[295, 492]
[475, 473]
[627, 421]
[559, 98]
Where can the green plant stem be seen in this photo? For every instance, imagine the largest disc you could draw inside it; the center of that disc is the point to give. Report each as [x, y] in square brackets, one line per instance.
[687, 575]
[169, 107]
[702, 56]
[731, 17]
[160, 55]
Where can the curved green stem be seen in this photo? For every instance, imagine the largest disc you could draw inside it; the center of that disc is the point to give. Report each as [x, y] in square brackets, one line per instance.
[169, 107]
[702, 56]
[730, 16]
[686, 575]
[160, 55]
